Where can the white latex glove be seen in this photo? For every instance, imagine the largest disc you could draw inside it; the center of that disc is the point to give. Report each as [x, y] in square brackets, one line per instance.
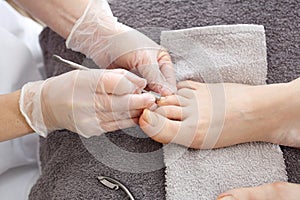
[86, 102]
[111, 44]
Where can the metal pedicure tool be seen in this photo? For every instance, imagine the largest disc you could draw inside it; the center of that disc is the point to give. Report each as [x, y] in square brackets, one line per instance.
[77, 66]
[114, 185]
[70, 63]
[156, 95]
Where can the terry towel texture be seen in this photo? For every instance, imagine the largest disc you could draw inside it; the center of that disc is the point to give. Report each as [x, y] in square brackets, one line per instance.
[236, 54]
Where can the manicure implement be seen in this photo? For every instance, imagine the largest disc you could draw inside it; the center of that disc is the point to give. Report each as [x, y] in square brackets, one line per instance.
[81, 67]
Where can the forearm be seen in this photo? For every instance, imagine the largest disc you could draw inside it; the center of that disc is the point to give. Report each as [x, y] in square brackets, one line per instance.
[12, 122]
[58, 15]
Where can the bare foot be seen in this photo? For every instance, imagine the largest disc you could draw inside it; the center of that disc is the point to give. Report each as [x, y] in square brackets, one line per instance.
[204, 116]
[274, 191]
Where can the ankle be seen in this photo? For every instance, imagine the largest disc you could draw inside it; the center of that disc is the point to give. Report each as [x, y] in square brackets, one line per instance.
[269, 109]
[287, 126]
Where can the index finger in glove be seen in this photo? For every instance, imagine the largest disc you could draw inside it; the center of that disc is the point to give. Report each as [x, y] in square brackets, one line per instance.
[158, 70]
[113, 103]
[168, 71]
[140, 82]
[119, 83]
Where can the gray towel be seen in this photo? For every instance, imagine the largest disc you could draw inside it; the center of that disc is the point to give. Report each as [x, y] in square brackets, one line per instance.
[235, 53]
[68, 170]
[279, 17]
[227, 53]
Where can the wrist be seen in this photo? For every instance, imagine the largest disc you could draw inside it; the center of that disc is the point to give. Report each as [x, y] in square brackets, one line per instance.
[69, 13]
[12, 122]
[31, 107]
[94, 33]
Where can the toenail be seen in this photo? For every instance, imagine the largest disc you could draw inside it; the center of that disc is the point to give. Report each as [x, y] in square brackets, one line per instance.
[227, 197]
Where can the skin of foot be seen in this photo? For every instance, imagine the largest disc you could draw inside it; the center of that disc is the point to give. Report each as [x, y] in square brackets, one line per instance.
[269, 113]
[204, 116]
[274, 191]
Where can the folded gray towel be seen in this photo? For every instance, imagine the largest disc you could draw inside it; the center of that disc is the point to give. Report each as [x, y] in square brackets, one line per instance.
[280, 19]
[224, 53]
[235, 53]
[68, 170]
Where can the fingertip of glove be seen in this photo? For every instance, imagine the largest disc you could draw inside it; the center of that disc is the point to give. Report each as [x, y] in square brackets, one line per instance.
[142, 83]
[169, 90]
[164, 89]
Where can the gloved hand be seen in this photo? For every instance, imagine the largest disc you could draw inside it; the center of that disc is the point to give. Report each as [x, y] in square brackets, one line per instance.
[111, 44]
[86, 102]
